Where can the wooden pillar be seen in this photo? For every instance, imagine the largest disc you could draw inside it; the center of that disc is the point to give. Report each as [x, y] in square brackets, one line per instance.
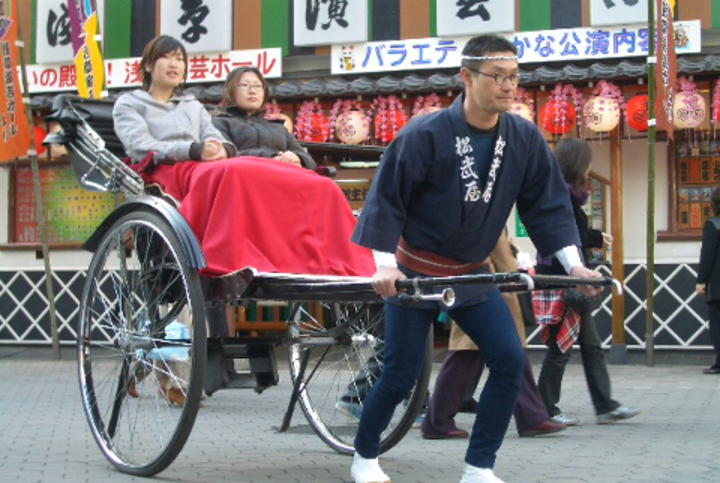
[247, 24]
[618, 350]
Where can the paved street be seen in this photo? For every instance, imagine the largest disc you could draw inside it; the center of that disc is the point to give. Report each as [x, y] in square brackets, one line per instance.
[45, 437]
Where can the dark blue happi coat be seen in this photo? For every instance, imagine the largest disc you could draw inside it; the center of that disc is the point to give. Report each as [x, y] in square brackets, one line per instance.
[427, 190]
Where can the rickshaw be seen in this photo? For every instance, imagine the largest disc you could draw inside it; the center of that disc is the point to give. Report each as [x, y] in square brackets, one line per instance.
[143, 331]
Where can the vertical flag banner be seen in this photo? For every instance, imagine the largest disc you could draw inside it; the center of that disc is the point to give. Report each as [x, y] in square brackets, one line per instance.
[14, 130]
[88, 60]
[666, 70]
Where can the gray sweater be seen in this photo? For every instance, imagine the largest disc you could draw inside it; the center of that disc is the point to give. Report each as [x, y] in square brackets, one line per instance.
[145, 125]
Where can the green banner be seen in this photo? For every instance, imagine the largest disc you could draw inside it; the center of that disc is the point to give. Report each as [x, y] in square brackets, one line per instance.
[520, 231]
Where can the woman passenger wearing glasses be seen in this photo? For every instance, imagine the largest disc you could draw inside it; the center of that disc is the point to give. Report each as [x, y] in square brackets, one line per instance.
[242, 123]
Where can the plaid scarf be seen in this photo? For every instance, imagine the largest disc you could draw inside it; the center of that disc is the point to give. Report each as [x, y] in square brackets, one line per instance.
[550, 309]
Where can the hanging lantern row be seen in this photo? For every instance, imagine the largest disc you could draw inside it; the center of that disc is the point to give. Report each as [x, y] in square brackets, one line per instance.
[602, 111]
[350, 123]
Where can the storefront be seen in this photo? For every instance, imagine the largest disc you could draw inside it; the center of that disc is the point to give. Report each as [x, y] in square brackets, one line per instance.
[346, 102]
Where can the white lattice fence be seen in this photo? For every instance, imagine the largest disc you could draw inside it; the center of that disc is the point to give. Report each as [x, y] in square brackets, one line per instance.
[679, 314]
[24, 308]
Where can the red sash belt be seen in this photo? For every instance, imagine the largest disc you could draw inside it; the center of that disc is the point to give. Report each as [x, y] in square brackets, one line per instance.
[429, 263]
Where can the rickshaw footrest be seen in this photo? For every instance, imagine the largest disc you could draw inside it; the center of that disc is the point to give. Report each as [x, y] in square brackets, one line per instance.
[220, 369]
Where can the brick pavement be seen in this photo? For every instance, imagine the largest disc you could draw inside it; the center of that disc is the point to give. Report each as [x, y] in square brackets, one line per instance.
[45, 437]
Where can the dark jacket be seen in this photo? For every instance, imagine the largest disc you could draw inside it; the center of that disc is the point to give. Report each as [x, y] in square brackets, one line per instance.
[255, 136]
[709, 269]
[589, 238]
[421, 190]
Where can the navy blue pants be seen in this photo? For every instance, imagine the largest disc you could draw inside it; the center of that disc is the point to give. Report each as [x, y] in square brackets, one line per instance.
[490, 325]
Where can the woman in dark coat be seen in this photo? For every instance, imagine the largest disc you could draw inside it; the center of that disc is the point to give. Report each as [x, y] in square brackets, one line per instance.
[708, 278]
[574, 157]
[241, 122]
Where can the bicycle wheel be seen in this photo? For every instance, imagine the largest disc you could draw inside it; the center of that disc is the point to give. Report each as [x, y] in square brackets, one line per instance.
[141, 344]
[336, 355]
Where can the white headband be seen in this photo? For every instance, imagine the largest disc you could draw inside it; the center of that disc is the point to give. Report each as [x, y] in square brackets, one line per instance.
[490, 57]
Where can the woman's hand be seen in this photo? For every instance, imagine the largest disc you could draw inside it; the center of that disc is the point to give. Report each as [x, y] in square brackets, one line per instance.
[288, 157]
[213, 150]
[383, 282]
[607, 240]
[584, 272]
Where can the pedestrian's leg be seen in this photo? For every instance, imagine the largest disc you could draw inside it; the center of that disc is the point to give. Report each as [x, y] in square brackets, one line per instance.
[469, 399]
[406, 332]
[714, 327]
[450, 388]
[490, 325]
[552, 372]
[530, 410]
[596, 373]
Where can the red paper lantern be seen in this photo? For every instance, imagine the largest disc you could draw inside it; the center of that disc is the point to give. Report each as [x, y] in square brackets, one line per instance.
[38, 137]
[318, 130]
[637, 112]
[388, 125]
[557, 117]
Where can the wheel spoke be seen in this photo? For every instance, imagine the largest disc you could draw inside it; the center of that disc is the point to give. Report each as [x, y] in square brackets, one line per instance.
[345, 344]
[141, 336]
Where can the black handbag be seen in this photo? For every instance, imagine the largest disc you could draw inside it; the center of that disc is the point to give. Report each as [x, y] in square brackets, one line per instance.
[580, 302]
[526, 307]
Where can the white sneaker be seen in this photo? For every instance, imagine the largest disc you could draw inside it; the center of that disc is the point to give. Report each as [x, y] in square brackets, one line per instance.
[473, 474]
[617, 415]
[367, 470]
[565, 419]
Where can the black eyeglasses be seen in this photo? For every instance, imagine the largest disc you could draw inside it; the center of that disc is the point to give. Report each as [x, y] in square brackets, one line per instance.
[243, 86]
[500, 79]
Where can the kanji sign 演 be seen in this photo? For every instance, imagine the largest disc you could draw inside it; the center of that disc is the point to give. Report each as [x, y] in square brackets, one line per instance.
[322, 22]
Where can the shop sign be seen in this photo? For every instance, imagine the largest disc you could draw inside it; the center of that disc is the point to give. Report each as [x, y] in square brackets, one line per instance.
[317, 22]
[355, 191]
[533, 47]
[607, 12]
[472, 17]
[201, 25]
[120, 73]
[52, 24]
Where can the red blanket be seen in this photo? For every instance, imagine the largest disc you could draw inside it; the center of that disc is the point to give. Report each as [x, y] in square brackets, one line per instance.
[266, 214]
